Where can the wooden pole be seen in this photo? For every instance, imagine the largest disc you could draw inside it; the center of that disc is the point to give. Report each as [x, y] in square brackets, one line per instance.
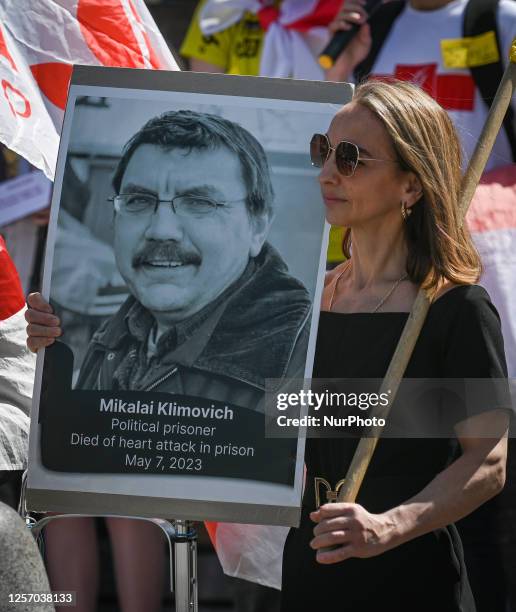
[366, 446]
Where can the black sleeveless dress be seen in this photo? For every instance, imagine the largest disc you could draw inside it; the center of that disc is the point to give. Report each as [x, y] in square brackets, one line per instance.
[461, 338]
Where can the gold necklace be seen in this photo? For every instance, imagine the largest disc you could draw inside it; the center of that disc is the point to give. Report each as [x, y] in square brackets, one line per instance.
[381, 302]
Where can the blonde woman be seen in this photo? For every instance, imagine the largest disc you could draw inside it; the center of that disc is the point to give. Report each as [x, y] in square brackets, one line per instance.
[390, 173]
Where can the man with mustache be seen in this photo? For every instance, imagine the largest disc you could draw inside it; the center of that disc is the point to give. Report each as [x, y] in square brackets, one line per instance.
[213, 311]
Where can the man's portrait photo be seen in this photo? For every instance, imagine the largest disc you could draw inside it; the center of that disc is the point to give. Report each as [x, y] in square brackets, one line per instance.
[185, 261]
[212, 309]
[170, 275]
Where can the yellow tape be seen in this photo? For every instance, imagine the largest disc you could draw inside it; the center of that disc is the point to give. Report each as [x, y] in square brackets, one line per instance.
[512, 54]
[470, 51]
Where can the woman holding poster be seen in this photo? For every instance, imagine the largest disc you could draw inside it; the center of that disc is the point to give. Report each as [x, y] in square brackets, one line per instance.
[390, 172]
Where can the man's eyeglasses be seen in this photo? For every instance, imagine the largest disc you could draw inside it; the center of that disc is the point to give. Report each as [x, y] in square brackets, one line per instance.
[146, 204]
[347, 154]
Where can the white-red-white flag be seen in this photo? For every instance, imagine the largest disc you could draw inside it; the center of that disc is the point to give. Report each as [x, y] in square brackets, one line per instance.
[39, 44]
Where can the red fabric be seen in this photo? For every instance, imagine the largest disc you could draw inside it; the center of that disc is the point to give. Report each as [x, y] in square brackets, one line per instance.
[53, 79]
[323, 13]
[4, 51]
[211, 528]
[11, 292]
[153, 58]
[424, 75]
[267, 16]
[109, 34]
[454, 92]
[110, 37]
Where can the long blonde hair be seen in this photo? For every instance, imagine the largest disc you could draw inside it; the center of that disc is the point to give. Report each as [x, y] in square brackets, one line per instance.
[426, 143]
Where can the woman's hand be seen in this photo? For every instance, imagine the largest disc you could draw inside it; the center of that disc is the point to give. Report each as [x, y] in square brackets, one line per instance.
[43, 326]
[358, 49]
[476, 476]
[355, 531]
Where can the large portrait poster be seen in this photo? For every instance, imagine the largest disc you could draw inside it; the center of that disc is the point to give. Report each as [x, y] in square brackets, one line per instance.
[185, 260]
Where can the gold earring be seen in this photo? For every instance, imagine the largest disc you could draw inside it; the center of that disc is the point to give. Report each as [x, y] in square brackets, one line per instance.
[405, 211]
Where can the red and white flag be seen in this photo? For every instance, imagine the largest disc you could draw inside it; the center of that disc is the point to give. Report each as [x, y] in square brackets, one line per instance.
[17, 365]
[39, 44]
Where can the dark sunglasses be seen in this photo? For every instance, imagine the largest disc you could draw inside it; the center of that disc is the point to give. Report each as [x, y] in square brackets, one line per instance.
[347, 154]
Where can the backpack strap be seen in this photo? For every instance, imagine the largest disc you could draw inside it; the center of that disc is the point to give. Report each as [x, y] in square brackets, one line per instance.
[381, 21]
[480, 17]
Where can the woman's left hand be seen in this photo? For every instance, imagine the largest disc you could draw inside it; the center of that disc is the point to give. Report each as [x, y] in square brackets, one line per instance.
[355, 531]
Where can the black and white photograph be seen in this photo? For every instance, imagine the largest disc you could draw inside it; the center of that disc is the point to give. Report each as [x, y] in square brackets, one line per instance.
[186, 259]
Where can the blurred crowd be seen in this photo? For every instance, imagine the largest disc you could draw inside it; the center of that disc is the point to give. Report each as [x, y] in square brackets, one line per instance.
[440, 45]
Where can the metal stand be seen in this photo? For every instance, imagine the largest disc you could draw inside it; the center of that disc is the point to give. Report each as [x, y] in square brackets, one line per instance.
[182, 546]
[185, 568]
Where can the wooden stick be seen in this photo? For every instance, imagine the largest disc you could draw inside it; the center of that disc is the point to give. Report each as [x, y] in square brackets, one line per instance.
[366, 446]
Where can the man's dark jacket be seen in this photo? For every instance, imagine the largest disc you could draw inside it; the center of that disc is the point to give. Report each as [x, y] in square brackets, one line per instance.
[260, 332]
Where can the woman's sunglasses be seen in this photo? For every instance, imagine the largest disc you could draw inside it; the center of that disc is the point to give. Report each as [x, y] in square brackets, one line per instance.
[347, 154]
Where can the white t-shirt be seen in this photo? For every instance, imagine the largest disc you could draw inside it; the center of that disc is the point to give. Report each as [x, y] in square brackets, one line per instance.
[412, 51]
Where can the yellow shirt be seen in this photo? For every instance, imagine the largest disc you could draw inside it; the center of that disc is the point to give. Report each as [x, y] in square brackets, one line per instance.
[236, 50]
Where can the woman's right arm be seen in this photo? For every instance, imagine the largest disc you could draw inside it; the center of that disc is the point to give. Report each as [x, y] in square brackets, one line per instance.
[43, 326]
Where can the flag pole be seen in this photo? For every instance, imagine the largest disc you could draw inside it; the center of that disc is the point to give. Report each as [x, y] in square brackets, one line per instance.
[366, 446]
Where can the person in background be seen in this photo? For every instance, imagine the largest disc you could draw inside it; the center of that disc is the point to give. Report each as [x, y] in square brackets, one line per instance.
[21, 566]
[17, 367]
[271, 38]
[423, 41]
